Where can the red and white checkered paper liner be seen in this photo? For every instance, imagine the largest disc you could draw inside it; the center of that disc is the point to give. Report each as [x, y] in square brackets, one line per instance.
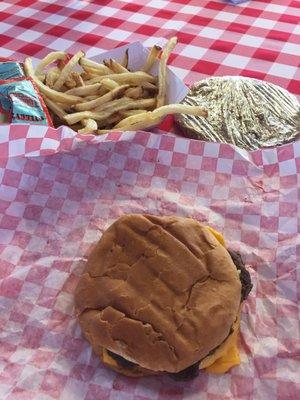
[60, 191]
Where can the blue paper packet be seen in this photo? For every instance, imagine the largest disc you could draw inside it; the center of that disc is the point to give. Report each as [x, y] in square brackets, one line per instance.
[10, 69]
[20, 102]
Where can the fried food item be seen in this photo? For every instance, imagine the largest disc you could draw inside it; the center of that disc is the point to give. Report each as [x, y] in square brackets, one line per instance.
[99, 97]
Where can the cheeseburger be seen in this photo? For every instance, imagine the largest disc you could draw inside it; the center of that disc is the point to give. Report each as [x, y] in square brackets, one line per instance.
[162, 295]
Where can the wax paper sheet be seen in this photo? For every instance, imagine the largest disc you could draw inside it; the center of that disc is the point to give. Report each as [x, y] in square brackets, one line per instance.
[59, 192]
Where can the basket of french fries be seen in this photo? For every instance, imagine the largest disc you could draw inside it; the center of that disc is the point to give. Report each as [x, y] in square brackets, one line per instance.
[129, 88]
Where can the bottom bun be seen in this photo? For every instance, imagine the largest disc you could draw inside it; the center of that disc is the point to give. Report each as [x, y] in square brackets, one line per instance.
[135, 371]
[220, 361]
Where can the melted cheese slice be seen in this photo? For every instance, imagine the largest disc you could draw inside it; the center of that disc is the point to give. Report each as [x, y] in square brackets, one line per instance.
[227, 355]
[107, 359]
[217, 235]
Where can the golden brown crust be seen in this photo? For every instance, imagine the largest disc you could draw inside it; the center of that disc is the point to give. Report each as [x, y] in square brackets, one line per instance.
[138, 371]
[160, 291]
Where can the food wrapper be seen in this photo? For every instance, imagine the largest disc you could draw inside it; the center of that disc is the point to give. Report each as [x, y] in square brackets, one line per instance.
[10, 69]
[59, 192]
[137, 56]
[20, 101]
[247, 112]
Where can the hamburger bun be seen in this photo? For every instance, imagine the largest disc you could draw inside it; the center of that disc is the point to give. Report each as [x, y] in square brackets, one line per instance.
[159, 294]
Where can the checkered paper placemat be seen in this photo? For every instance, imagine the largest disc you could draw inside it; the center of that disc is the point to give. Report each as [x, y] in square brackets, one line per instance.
[258, 39]
[59, 192]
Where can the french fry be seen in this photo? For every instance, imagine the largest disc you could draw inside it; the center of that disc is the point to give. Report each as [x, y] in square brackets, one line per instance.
[145, 120]
[133, 78]
[116, 67]
[126, 103]
[52, 76]
[134, 92]
[49, 59]
[78, 79]
[87, 90]
[89, 126]
[92, 65]
[103, 90]
[162, 74]
[42, 78]
[110, 121]
[70, 82]
[85, 75]
[129, 113]
[67, 69]
[48, 92]
[93, 97]
[90, 105]
[105, 111]
[109, 84]
[73, 118]
[152, 56]
[55, 107]
[106, 96]
[104, 131]
[125, 60]
[149, 86]
[93, 73]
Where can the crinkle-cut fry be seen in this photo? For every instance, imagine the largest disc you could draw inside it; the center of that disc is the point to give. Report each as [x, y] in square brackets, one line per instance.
[93, 65]
[155, 115]
[125, 60]
[67, 69]
[49, 59]
[89, 126]
[162, 72]
[87, 90]
[55, 107]
[152, 56]
[90, 105]
[51, 76]
[109, 84]
[50, 93]
[116, 67]
[137, 77]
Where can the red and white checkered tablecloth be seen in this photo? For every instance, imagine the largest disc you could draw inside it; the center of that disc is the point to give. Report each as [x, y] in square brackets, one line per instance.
[58, 193]
[259, 38]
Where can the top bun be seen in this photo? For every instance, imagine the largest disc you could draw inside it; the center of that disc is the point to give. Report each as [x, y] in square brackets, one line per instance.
[161, 292]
